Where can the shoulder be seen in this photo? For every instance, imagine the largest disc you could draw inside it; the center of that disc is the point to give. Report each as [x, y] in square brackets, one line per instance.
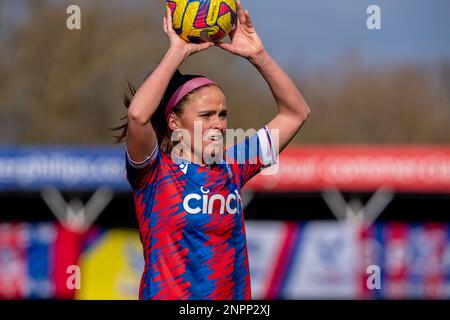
[142, 174]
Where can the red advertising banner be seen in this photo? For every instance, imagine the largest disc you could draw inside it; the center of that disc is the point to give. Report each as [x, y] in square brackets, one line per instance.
[363, 168]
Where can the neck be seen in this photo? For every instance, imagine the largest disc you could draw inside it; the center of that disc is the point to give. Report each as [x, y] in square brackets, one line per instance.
[184, 153]
[188, 155]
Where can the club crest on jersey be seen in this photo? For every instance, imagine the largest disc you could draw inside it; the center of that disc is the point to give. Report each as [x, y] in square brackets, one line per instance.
[204, 202]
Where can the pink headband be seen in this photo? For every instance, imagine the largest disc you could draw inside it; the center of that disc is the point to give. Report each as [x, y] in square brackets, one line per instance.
[186, 88]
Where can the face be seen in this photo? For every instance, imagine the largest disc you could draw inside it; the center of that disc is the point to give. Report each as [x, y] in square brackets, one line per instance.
[206, 107]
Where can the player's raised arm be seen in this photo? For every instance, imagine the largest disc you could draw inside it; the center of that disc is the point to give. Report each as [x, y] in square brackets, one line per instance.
[141, 137]
[292, 107]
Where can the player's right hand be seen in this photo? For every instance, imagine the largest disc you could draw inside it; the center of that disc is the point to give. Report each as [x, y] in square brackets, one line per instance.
[178, 44]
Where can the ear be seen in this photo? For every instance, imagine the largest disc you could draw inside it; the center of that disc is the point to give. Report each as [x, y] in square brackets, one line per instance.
[174, 122]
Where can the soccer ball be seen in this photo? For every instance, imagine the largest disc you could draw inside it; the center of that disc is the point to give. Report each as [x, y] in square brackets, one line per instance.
[199, 21]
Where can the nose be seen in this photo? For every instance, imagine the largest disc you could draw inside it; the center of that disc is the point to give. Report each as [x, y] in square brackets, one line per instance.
[218, 123]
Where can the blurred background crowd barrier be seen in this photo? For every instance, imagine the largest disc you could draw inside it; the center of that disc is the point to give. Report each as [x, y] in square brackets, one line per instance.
[365, 183]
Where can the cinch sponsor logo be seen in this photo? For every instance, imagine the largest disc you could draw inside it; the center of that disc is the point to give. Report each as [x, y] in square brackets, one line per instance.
[204, 203]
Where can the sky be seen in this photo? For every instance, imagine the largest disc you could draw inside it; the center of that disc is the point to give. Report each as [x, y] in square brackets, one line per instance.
[319, 33]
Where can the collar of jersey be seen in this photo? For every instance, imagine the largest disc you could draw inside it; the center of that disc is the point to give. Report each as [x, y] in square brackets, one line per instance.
[184, 166]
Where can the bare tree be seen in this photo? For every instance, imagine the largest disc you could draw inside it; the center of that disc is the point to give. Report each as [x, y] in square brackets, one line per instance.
[61, 86]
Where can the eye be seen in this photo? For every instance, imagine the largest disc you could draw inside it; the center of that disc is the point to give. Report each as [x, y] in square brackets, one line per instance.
[223, 114]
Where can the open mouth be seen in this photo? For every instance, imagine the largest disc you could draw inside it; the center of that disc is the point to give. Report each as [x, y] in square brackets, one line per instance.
[215, 137]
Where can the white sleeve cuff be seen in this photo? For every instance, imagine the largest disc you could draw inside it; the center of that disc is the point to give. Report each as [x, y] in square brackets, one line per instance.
[267, 151]
[146, 162]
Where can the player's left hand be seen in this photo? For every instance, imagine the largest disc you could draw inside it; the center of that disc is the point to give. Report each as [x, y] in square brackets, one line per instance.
[245, 42]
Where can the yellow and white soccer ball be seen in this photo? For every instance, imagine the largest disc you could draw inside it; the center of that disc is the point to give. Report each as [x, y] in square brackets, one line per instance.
[199, 21]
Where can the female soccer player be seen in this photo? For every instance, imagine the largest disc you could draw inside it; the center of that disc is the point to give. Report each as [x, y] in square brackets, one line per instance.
[190, 214]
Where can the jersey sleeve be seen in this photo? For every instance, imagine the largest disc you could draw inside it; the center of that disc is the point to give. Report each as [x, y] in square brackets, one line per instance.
[252, 155]
[140, 174]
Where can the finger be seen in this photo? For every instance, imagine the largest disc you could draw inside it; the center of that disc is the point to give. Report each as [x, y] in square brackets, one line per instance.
[248, 19]
[194, 48]
[169, 19]
[165, 25]
[240, 12]
[204, 46]
[223, 45]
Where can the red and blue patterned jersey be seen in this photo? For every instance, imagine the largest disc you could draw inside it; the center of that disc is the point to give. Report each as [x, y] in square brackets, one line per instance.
[191, 222]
